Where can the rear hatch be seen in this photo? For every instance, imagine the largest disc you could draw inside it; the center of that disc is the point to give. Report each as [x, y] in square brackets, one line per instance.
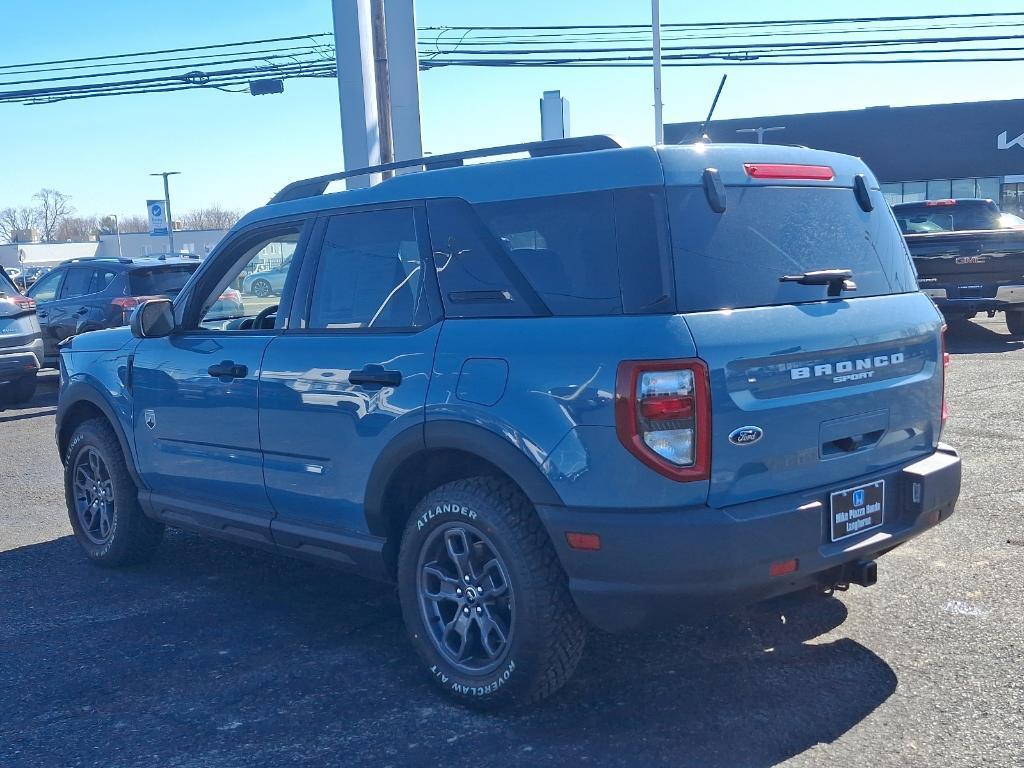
[969, 264]
[18, 322]
[838, 386]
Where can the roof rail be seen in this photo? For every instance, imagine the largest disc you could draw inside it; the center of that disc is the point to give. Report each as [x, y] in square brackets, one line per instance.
[315, 186]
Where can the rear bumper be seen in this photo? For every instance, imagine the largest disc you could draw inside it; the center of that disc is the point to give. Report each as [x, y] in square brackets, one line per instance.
[656, 566]
[955, 300]
[21, 361]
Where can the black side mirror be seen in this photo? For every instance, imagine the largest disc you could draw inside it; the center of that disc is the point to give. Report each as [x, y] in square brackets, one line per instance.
[152, 319]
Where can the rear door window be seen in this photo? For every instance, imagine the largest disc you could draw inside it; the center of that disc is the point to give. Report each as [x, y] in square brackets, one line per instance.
[735, 258]
[160, 281]
[76, 283]
[564, 246]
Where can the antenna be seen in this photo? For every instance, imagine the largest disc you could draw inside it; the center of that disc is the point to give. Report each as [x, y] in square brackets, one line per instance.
[703, 136]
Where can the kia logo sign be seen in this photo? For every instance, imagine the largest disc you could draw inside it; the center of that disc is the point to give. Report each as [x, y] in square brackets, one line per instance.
[1003, 143]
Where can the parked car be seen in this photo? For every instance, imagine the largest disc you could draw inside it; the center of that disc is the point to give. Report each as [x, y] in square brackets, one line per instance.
[269, 282]
[88, 294]
[969, 257]
[598, 385]
[21, 345]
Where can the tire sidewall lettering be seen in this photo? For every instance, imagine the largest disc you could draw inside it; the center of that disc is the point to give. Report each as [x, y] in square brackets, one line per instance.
[496, 682]
[445, 508]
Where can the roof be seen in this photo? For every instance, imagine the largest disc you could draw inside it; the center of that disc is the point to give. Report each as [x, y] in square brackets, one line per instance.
[608, 169]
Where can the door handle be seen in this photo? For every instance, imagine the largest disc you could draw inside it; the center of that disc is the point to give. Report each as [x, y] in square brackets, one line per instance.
[228, 370]
[375, 375]
[82, 311]
[42, 314]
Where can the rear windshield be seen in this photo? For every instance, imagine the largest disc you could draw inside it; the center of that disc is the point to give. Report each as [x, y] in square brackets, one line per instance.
[917, 219]
[735, 259]
[160, 281]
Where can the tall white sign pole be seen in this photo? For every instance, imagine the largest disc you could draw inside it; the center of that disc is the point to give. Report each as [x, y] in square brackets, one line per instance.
[357, 88]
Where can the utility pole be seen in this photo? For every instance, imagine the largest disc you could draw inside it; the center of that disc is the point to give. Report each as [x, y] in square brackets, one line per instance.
[761, 131]
[380, 69]
[659, 123]
[167, 207]
[117, 231]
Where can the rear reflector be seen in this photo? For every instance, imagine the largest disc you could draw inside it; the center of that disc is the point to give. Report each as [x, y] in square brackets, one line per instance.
[939, 202]
[783, 567]
[789, 171]
[586, 541]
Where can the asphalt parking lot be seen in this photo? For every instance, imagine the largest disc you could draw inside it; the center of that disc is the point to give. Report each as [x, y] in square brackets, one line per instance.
[213, 655]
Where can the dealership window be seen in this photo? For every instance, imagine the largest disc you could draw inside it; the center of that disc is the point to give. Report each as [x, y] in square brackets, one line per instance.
[941, 189]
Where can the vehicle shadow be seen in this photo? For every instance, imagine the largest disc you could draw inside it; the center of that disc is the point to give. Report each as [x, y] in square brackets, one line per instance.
[217, 655]
[966, 337]
[46, 400]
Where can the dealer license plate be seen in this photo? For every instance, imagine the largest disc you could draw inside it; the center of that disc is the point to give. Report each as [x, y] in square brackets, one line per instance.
[856, 510]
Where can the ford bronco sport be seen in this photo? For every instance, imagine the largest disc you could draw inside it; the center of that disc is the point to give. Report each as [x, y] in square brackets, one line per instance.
[598, 385]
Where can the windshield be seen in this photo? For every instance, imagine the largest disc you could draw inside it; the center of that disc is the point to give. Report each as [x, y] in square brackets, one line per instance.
[160, 281]
[735, 259]
[921, 218]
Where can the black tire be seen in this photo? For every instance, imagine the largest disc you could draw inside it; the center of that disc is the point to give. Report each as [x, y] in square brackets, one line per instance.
[23, 390]
[262, 288]
[544, 636]
[117, 531]
[1015, 322]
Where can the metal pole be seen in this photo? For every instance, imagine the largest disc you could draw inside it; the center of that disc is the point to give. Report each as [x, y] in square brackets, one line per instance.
[167, 207]
[659, 124]
[117, 230]
[380, 69]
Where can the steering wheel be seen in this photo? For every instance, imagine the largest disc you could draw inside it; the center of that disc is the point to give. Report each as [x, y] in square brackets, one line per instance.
[257, 322]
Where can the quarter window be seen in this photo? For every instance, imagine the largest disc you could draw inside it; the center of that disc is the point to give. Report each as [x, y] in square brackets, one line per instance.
[370, 273]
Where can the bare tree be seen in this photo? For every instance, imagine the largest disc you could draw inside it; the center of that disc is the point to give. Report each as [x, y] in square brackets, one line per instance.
[212, 217]
[53, 208]
[13, 220]
[130, 224]
[77, 229]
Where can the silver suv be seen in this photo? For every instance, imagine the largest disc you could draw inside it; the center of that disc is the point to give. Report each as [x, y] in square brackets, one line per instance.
[21, 344]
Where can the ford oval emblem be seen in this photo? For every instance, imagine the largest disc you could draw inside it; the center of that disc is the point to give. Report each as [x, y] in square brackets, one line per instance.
[746, 435]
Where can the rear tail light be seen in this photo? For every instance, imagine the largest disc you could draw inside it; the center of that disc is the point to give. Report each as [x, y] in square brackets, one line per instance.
[127, 305]
[230, 294]
[931, 203]
[789, 171]
[945, 367]
[663, 416]
[23, 302]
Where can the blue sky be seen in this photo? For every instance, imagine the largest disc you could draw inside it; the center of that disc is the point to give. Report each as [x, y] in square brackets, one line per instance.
[236, 150]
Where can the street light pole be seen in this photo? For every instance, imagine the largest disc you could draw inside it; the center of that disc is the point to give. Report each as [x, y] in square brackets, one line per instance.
[659, 124]
[117, 231]
[167, 207]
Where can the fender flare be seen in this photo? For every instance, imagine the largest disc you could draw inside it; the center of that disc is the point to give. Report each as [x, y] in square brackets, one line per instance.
[456, 435]
[81, 392]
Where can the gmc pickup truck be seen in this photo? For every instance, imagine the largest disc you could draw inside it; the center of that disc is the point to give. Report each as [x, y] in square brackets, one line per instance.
[969, 257]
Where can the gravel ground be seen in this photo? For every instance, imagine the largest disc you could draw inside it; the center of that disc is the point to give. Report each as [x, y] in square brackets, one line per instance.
[213, 655]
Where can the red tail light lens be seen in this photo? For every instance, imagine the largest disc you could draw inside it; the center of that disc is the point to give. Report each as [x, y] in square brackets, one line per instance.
[23, 302]
[127, 304]
[230, 294]
[663, 416]
[789, 171]
[930, 203]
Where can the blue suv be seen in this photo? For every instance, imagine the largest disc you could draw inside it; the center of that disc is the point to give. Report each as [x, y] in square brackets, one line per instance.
[597, 385]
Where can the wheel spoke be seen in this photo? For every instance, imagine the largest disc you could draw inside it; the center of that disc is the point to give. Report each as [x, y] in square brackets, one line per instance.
[492, 635]
[495, 578]
[457, 544]
[446, 585]
[94, 464]
[457, 629]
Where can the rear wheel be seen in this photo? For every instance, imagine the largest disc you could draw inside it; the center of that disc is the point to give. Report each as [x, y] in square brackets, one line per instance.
[1015, 322]
[262, 288]
[484, 598]
[102, 499]
[23, 389]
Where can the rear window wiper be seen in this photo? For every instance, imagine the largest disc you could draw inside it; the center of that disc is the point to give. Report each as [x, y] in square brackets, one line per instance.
[837, 280]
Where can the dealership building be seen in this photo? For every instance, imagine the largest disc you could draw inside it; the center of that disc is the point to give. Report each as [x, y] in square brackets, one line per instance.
[930, 152]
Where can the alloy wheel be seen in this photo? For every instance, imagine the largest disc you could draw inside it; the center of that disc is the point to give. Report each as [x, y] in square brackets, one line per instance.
[94, 496]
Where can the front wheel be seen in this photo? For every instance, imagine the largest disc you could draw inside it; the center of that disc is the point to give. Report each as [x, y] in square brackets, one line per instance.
[262, 288]
[1015, 322]
[485, 600]
[102, 499]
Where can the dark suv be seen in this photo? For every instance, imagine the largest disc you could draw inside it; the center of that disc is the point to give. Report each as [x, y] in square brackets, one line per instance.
[598, 385]
[21, 349]
[92, 293]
